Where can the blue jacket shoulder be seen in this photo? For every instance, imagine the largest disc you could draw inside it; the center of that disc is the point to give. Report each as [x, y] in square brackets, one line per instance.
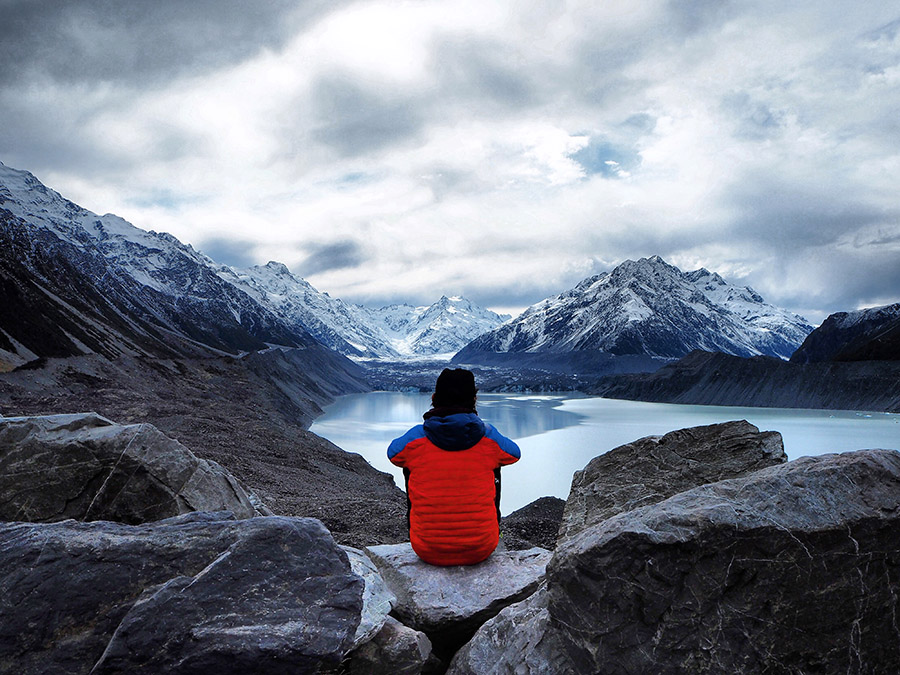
[398, 444]
[506, 445]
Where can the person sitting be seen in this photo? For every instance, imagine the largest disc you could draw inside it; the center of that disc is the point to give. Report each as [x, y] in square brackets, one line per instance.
[452, 463]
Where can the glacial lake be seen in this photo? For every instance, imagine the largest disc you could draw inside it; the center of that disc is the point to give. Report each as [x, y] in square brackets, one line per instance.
[560, 433]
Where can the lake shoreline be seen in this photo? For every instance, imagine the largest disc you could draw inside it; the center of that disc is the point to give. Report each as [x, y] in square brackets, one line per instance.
[560, 432]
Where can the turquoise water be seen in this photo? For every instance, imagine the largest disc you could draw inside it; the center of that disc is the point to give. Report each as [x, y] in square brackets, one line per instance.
[560, 433]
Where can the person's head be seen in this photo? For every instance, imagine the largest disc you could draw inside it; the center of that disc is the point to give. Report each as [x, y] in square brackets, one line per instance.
[455, 388]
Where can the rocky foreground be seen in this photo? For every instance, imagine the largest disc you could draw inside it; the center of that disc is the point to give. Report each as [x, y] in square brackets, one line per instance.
[703, 550]
[249, 415]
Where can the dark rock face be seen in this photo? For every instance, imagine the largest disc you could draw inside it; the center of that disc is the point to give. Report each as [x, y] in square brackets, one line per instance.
[792, 568]
[536, 524]
[449, 603]
[199, 593]
[586, 363]
[654, 468]
[96, 301]
[703, 378]
[89, 468]
[866, 335]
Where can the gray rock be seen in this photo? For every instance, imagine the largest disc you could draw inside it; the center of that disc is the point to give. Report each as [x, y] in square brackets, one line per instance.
[519, 640]
[450, 603]
[790, 569]
[395, 650]
[377, 597]
[198, 593]
[654, 468]
[86, 467]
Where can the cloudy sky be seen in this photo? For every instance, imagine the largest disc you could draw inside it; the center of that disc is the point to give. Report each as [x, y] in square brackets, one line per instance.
[400, 150]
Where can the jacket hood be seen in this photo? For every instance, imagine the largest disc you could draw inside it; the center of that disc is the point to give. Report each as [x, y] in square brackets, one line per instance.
[458, 431]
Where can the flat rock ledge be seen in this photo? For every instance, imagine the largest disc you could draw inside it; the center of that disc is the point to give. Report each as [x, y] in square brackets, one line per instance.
[651, 469]
[793, 568]
[199, 593]
[449, 603]
[86, 467]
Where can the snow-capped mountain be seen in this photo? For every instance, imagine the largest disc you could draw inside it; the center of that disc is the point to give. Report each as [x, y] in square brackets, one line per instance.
[444, 327]
[74, 282]
[650, 307]
[334, 323]
[864, 335]
[394, 331]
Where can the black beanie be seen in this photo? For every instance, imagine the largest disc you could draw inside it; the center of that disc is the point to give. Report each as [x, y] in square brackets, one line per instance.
[455, 388]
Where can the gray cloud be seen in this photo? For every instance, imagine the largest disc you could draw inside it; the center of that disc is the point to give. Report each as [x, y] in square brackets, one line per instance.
[233, 252]
[797, 215]
[354, 120]
[692, 18]
[753, 120]
[485, 73]
[338, 255]
[841, 281]
[600, 74]
[134, 42]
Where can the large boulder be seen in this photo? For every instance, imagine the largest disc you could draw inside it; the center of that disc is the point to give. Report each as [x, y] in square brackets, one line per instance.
[654, 468]
[86, 467]
[199, 593]
[449, 603]
[794, 567]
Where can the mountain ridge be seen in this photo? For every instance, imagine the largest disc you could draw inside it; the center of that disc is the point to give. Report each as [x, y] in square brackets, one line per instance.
[649, 307]
[862, 335]
[355, 330]
[138, 292]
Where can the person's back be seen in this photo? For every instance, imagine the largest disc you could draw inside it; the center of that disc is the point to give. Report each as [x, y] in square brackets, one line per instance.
[452, 465]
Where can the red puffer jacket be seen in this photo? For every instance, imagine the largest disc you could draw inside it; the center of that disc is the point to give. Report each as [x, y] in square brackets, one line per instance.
[450, 463]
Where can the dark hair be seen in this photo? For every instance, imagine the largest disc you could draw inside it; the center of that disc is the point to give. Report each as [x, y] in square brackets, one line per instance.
[455, 388]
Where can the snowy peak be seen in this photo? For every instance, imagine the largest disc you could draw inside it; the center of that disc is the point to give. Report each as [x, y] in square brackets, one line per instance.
[331, 321]
[650, 307]
[441, 328]
[393, 331]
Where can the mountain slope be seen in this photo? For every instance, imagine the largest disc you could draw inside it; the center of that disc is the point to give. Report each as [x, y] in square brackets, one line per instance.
[864, 335]
[73, 283]
[331, 321]
[355, 330]
[652, 308]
